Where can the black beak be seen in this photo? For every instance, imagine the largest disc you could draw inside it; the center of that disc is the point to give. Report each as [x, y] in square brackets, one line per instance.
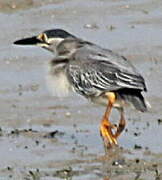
[28, 41]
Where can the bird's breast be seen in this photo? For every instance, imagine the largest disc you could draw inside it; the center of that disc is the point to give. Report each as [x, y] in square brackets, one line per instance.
[57, 80]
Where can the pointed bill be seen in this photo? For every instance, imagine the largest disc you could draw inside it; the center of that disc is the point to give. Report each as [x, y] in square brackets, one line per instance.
[28, 41]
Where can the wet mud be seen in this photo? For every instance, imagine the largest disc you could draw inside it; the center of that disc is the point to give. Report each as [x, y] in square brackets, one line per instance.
[43, 137]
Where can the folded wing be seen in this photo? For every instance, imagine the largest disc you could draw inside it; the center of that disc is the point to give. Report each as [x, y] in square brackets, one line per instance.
[95, 73]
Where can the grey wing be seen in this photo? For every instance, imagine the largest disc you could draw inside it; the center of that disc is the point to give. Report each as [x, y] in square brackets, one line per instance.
[93, 77]
[95, 70]
[83, 80]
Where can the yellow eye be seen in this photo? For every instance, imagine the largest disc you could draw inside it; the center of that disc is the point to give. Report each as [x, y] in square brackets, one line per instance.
[42, 37]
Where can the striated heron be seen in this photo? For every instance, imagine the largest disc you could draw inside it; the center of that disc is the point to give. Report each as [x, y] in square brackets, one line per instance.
[94, 72]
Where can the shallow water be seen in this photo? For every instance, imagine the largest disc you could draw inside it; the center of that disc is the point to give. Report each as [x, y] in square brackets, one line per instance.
[131, 28]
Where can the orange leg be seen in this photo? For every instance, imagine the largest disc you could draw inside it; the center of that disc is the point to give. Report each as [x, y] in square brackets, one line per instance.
[109, 136]
[121, 125]
[106, 126]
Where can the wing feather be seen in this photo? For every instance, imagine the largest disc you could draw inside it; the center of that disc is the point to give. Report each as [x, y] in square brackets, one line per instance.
[94, 74]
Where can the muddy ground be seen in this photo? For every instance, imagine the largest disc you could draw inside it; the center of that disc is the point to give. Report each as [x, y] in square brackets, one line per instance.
[48, 138]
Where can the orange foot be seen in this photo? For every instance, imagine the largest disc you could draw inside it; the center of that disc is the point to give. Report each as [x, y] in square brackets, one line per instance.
[106, 131]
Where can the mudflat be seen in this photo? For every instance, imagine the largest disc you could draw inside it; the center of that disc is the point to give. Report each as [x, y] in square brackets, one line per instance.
[43, 137]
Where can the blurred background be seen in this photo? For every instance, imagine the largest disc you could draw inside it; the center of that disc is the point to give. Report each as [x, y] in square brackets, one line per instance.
[43, 137]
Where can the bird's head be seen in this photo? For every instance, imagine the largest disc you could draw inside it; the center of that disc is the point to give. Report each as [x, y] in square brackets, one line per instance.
[48, 39]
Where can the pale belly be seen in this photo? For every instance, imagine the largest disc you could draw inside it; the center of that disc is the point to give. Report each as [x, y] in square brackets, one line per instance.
[58, 85]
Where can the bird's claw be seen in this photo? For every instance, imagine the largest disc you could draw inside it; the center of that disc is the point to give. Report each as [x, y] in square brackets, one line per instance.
[108, 136]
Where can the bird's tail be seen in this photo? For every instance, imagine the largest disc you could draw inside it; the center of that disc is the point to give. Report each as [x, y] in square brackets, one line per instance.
[135, 98]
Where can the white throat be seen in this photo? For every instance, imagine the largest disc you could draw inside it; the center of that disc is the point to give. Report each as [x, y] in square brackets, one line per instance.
[55, 41]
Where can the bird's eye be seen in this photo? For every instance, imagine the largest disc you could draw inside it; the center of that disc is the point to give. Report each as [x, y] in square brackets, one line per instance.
[42, 37]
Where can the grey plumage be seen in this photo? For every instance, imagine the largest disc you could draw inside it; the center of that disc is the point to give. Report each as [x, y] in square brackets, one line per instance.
[93, 70]
[89, 69]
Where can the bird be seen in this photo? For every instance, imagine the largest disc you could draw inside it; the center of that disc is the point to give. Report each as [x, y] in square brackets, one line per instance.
[99, 74]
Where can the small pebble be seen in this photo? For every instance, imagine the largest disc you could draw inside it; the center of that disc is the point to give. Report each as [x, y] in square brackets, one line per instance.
[159, 121]
[9, 168]
[37, 142]
[137, 160]
[91, 26]
[137, 146]
[119, 162]
[111, 28]
[53, 134]
[137, 134]
[68, 114]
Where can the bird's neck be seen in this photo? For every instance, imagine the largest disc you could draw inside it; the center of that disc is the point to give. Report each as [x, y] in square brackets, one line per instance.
[68, 47]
